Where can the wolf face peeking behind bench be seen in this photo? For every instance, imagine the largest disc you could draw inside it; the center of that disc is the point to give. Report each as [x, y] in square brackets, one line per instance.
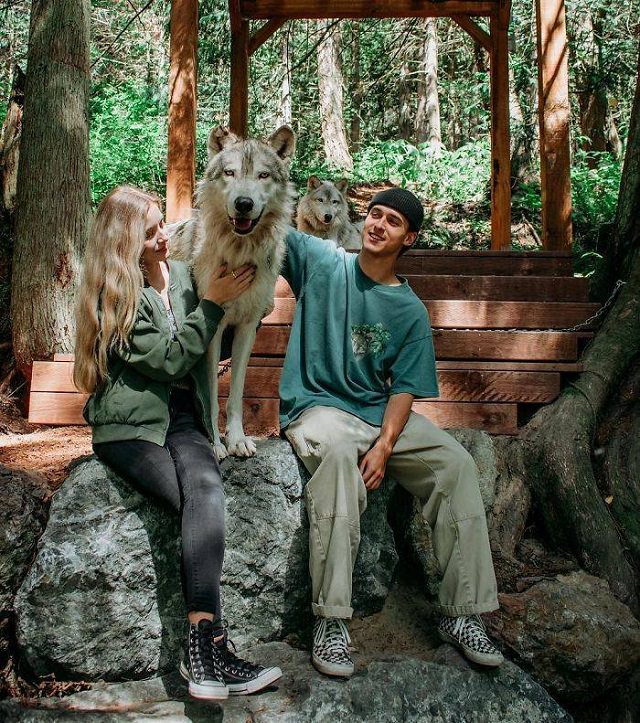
[245, 202]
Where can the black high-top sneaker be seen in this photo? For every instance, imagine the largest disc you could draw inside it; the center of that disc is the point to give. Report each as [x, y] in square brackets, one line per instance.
[200, 666]
[241, 676]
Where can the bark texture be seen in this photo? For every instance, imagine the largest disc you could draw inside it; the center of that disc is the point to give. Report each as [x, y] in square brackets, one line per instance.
[428, 113]
[53, 180]
[330, 86]
[10, 144]
[556, 447]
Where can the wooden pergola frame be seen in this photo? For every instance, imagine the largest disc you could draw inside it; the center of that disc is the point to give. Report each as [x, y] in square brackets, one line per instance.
[553, 106]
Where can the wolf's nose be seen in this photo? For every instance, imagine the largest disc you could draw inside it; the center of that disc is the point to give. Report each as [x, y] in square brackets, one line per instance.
[327, 217]
[243, 204]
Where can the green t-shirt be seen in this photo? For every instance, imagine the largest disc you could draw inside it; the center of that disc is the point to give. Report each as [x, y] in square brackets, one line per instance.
[353, 341]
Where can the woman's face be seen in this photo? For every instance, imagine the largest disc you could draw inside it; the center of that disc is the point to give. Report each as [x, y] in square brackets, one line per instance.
[156, 245]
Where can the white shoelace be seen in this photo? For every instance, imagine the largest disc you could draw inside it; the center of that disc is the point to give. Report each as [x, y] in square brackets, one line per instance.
[475, 630]
[332, 634]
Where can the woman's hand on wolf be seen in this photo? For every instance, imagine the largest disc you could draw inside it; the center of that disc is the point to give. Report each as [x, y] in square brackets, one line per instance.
[224, 287]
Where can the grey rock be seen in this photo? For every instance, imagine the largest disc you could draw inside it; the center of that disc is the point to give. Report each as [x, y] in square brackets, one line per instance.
[103, 599]
[571, 634]
[398, 691]
[23, 516]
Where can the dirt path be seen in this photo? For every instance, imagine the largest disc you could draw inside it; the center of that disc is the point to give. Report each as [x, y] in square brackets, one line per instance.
[47, 451]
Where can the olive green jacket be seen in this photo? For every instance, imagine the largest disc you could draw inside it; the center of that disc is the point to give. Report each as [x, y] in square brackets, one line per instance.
[133, 403]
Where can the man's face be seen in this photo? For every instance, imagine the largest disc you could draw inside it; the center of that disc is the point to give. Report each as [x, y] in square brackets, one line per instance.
[386, 232]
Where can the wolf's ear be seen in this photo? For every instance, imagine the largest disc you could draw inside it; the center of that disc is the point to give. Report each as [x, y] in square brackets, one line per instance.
[220, 138]
[313, 183]
[283, 141]
[342, 186]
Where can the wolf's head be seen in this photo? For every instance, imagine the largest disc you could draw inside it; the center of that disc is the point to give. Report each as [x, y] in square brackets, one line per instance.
[248, 177]
[326, 199]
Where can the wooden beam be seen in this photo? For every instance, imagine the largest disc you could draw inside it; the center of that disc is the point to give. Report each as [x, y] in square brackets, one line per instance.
[264, 33]
[475, 31]
[181, 156]
[554, 117]
[239, 90]
[316, 9]
[500, 146]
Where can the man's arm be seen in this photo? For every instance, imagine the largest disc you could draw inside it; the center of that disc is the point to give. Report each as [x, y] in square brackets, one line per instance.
[374, 463]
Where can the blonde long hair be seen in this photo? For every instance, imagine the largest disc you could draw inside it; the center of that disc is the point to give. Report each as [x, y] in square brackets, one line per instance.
[107, 301]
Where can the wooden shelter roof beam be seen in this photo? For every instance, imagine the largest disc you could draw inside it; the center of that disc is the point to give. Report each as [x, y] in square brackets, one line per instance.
[474, 30]
[263, 33]
[317, 9]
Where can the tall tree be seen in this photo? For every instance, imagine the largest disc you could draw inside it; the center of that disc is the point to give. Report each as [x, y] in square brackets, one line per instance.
[330, 86]
[428, 113]
[599, 526]
[53, 204]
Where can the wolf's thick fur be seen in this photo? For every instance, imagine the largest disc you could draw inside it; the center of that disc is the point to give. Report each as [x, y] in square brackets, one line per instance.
[245, 202]
[323, 212]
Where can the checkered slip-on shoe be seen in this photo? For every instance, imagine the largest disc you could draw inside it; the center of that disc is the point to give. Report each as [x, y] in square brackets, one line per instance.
[467, 632]
[331, 648]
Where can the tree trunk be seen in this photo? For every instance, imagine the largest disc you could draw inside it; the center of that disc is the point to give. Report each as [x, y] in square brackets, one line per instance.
[53, 204]
[285, 115]
[10, 144]
[356, 86]
[428, 113]
[330, 86]
[557, 442]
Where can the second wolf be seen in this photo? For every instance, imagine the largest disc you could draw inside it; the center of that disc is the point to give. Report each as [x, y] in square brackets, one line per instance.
[323, 212]
[245, 202]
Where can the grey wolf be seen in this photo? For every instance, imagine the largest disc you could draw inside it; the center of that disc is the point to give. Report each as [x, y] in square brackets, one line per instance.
[323, 212]
[244, 205]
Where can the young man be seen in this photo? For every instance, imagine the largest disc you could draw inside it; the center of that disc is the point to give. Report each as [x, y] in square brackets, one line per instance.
[360, 351]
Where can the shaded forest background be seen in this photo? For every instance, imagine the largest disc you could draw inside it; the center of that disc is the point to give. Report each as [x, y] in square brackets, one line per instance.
[395, 121]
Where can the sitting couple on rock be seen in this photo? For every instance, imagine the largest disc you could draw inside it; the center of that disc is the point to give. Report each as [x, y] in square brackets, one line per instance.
[360, 351]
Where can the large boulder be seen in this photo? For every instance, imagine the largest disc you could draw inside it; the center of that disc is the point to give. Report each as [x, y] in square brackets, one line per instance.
[571, 634]
[23, 516]
[103, 599]
[403, 690]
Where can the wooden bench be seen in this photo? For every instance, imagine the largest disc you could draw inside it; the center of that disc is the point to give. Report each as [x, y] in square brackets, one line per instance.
[498, 337]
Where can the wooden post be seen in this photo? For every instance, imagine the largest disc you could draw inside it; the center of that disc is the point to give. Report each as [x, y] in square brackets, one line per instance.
[181, 156]
[554, 112]
[239, 90]
[500, 147]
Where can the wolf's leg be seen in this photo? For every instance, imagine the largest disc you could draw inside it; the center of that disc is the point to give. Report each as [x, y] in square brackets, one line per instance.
[237, 442]
[213, 359]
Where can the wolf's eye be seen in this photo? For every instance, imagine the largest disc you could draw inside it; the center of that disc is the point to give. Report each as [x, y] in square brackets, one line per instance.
[228, 172]
[264, 174]
[335, 203]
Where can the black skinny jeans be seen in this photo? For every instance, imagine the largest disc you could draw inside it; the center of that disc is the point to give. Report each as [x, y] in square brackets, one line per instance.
[185, 474]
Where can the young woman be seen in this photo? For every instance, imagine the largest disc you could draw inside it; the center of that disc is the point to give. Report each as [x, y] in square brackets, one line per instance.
[141, 340]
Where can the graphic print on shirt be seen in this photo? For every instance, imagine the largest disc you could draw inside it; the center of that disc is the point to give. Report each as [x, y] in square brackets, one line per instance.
[369, 339]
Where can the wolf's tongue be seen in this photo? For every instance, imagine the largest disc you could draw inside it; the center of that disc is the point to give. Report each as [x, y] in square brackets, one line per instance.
[242, 224]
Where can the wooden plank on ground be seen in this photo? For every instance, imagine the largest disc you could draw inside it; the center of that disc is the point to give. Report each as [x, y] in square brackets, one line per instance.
[553, 346]
[55, 376]
[500, 288]
[458, 314]
[490, 265]
[492, 418]
[56, 407]
[456, 385]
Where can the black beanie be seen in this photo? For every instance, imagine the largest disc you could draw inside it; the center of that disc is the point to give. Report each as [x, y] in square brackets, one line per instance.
[402, 201]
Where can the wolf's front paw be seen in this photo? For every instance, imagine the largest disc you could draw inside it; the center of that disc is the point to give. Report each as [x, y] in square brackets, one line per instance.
[241, 446]
[220, 450]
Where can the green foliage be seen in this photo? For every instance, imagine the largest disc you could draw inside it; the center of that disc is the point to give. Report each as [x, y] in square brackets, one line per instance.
[458, 176]
[128, 140]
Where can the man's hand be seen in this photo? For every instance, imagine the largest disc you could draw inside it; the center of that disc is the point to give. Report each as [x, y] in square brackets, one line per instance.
[373, 464]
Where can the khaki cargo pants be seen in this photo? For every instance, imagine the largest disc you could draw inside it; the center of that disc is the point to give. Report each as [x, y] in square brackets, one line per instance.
[427, 462]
